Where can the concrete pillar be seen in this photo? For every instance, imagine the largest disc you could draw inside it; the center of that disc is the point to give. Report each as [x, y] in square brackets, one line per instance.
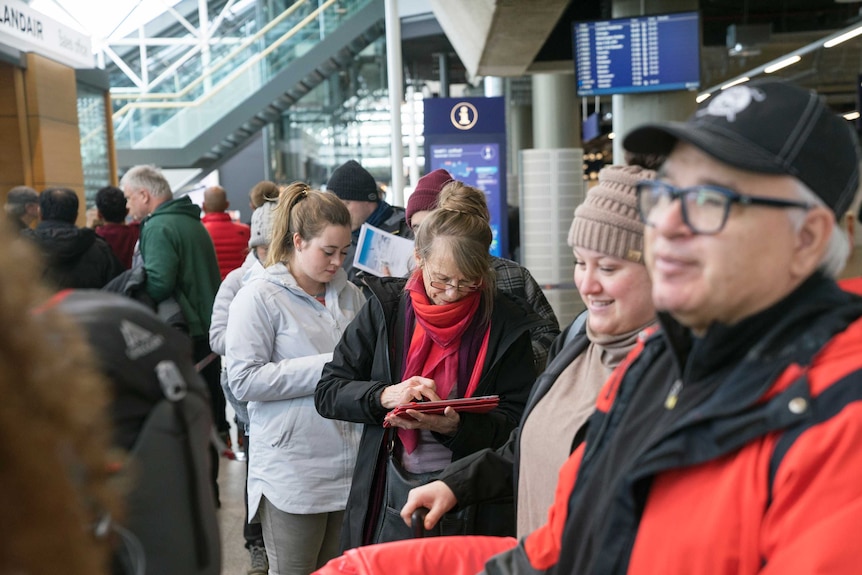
[555, 112]
[443, 60]
[396, 97]
[632, 110]
[493, 86]
[520, 136]
[551, 186]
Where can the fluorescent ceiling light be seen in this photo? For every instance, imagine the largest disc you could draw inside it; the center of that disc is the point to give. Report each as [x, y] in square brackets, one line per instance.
[783, 64]
[735, 82]
[851, 116]
[702, 97]
[828, 41]
[843, 37]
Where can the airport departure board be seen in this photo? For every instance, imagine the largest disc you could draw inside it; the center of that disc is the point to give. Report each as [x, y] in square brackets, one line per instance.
[653, 53]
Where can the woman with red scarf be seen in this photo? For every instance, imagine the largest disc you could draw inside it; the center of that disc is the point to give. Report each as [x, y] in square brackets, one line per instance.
[444, 333]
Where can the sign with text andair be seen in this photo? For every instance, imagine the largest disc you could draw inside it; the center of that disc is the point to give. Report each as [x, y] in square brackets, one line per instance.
[467, 138]
[27, 30]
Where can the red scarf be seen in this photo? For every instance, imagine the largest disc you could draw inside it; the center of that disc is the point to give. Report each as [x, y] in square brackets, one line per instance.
[435, 344]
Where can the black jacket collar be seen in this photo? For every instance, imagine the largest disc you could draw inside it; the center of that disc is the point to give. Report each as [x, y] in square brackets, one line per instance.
[759, 336]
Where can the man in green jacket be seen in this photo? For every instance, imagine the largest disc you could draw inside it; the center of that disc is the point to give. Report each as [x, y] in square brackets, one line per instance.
[180, 261]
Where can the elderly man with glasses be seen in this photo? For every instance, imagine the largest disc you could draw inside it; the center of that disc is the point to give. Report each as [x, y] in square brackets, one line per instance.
[731, 442]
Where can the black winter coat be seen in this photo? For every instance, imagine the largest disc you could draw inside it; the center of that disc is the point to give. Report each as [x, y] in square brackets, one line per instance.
[368, 358]
[74, 257]
[493, 473]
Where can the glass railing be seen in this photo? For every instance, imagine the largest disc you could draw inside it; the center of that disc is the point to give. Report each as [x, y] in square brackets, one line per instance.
[189, 96]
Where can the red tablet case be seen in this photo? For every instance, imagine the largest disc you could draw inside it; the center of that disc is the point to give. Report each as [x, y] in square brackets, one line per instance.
[482, 404]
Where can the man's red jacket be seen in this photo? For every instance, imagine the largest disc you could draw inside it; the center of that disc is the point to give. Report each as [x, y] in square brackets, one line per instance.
[230, 240]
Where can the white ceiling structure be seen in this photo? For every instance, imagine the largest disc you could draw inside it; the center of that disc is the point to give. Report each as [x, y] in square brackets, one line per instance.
[120, 24]
[112, 19]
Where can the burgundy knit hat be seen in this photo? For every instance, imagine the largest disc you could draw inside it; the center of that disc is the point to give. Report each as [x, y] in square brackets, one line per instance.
[424, 197]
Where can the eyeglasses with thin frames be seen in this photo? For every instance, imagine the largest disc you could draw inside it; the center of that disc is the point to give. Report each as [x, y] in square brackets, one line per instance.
[705, 208]
[460, 288]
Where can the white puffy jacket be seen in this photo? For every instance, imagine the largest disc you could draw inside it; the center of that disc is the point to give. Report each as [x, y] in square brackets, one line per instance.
[277, 341]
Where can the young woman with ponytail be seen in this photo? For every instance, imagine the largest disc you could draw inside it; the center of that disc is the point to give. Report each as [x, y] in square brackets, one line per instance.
[282, 327]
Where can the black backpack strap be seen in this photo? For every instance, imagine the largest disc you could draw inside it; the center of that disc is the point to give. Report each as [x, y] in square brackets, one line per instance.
[578, 325]
[175, 390]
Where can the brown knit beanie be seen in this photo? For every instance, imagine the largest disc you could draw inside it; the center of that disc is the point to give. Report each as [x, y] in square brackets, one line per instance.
[608, 220]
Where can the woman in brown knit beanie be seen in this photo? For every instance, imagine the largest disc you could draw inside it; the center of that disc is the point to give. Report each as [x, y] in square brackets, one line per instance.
[606, 237]
[607, 241]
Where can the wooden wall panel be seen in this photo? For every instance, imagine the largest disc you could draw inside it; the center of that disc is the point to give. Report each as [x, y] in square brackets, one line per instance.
[15, 168]
[52, 127]
[51, 89]
[56, 150]
[11, 156]
[7, 88]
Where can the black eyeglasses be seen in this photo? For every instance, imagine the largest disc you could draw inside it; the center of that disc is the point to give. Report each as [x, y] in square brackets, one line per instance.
[705, 208]
[461, 288]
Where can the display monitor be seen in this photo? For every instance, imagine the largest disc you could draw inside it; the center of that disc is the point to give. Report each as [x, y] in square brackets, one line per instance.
[655, 53]
[477, 165]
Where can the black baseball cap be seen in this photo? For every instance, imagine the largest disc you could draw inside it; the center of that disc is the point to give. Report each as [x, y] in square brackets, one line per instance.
[769, 127]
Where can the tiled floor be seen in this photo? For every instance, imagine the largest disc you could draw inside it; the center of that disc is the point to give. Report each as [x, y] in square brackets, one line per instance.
[231, 516]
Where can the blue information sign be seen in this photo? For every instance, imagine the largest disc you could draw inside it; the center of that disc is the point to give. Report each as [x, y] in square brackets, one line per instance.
[467, 138]
[479, 166]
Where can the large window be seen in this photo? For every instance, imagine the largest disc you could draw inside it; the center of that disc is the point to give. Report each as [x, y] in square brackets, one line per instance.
[93, 125]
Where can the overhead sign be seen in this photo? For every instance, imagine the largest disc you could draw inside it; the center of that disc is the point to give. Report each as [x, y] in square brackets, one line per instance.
[466, 115]
[27, 30]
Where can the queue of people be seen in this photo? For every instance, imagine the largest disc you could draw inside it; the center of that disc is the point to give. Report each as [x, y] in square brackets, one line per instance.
[701, 416]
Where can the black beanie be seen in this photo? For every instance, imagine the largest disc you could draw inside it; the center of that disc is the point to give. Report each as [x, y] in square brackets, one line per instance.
[350, 181]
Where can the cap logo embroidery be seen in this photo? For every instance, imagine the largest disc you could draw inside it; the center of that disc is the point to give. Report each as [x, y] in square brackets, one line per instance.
[731, 102]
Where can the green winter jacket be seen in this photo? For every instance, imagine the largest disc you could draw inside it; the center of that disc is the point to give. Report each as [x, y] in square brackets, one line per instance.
[180, 261]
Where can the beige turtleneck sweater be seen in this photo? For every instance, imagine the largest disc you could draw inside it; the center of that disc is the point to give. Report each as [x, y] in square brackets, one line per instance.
[547, 434]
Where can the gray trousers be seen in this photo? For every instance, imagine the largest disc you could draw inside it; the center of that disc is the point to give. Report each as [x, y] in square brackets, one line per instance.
[299, 544]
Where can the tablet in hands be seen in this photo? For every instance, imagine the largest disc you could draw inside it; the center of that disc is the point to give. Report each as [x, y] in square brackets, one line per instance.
[482, 404]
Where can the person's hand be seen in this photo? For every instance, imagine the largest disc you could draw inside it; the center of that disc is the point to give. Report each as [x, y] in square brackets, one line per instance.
[436, 496]
[93, 219]
[446, 424]
[412, 389]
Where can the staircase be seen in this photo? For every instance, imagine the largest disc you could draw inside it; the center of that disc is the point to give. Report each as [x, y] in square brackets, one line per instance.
[225, 98]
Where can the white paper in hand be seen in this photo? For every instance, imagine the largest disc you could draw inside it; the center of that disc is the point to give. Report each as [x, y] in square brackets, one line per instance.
[377, 251]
